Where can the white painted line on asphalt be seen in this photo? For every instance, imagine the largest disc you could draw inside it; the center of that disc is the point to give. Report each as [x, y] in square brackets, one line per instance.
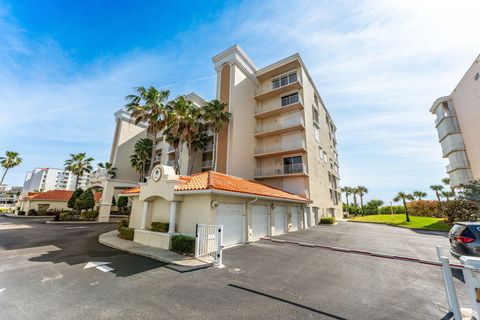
[105, 268]
[70, 228]
[95, 264]
[45, 279]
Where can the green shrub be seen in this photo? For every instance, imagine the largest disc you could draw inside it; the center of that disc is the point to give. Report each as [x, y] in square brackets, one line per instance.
[32, 212]
[327, 220]
[183, 244]
[21, 213]
[85, 201]
[89, 215]
[389, 209]
[126, 233]
[460, 210]
[66, 216]
[160, 226]
[122, 224]
[75, 195]
[425, 208]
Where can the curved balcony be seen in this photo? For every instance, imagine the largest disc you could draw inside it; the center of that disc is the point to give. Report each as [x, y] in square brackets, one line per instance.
[290, 170]
[279, 149]
[274, 128]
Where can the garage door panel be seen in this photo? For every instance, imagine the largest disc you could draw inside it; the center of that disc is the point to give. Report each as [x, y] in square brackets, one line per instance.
[281, 219]
[296, 218]
[231, 217]
[259, 222]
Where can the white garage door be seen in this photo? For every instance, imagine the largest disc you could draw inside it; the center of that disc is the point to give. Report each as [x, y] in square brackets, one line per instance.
[259, 222]
[296, 218]
[281, 219]
[231, 217]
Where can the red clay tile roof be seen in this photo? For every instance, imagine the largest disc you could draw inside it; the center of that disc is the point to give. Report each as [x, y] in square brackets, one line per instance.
[212, 180]
[131, 191]
[52, 195]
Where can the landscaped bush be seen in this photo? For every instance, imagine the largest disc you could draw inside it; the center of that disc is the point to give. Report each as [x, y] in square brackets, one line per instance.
[121, 224]
[460, 210]
[51, 212]
[327, 220]
[126, 233]
[425, 208]
[21, 213]
[160, 226]
[89, 215]
[66, 216]
[32, 212]
[389, 209]
[183, 244]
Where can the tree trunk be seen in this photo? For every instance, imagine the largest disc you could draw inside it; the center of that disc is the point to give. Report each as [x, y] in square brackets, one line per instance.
[214, 153]
[76, 181]
[177, 159]
[3, 177]
[152, 156]
[348, 206]
[355, 200]
[191, 158]
[361, 205]
[406, 210]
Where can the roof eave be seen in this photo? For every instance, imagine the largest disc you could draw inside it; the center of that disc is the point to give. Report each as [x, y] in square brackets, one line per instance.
[239, 194]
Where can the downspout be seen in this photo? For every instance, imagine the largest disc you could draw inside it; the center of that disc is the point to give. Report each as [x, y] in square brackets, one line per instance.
[247, 219]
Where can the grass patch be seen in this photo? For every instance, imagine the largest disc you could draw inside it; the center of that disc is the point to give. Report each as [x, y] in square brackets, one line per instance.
[425, 223]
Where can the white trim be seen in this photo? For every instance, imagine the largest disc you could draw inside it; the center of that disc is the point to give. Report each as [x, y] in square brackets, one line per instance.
[239, 194]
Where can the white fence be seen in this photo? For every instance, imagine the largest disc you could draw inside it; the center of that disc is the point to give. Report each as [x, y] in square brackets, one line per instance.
[209, 244]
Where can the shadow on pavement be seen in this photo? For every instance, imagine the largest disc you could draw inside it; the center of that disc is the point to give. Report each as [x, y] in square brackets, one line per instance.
[287, 301]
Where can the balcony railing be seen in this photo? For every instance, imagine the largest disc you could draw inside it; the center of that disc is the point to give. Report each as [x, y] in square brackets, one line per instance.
[448, 148]
[207, 163]
[271, 148]
[281, 170]
[273, 126]
[268, 92]
[448, 126]
[279, 108]
[458, 165]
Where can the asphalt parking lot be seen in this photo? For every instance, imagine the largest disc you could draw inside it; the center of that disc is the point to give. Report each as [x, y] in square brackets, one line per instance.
[42, 276]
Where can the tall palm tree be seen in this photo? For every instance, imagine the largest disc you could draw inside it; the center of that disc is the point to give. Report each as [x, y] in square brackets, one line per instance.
[402, 196]
[446, 182]
[11, 160]
[198, 141]
[348, 192]
[215, 116]
[438, 191]
[361, 190]
[419, 194]
[79, 164]
[355, 193]
[448, 194]
[140, 159]
[149, 106]
[111, 170]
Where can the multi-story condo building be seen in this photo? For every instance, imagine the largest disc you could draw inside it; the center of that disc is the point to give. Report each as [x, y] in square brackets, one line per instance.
[45, 179]
[280, 132]
[458, 127]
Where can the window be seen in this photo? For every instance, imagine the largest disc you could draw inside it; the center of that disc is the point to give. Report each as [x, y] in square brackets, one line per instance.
[316, 132]
[289, 99]
[293, 164]
[315, 98]
[314, 114]
[284, 80]
[321, 153]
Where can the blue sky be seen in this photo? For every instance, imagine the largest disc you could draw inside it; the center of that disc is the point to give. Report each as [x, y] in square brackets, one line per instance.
[66, 66]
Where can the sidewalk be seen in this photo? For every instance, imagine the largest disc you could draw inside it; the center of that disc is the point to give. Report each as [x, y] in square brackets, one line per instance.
[176, 261]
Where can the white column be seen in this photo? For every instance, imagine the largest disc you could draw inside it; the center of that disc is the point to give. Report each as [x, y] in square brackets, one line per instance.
[108, 189]
[144, 215]
[173, 215]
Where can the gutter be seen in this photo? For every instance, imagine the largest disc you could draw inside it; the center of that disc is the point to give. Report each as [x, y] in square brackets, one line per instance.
[239, 194]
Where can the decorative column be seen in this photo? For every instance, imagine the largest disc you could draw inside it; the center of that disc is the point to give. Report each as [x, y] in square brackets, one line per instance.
[106, 203]
[143, 225]
[173, 215]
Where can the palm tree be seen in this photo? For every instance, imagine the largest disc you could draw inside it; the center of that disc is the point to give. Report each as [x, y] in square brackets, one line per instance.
[215, 117]
[348, 192]
[402, 196]
[11, 160]
[419, 194]
[446, 182]
[438, 191]
[149, 107]
[448, 194]
[375, 204]
[355, 192]
[109, 168]
[79, 164]
[140, 159]
[198, 141]
[361, 190]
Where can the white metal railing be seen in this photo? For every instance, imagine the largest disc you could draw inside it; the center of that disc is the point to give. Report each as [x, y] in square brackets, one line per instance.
[280, 147]
[209, 243]
[207, 163]
[261, 109]
[281, 170]
[287, 123]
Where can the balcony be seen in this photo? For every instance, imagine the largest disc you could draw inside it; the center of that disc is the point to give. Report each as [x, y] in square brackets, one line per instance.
[207, 163]
[448, 148]
[280, 149]
[267, 112]
[290, 170]
[208, 147]
[274, 128]
[270, 92]
[171, 163]
[458, 165]
[448, 126]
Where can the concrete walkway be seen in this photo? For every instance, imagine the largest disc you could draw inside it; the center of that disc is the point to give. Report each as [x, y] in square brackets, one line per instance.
[185, 263]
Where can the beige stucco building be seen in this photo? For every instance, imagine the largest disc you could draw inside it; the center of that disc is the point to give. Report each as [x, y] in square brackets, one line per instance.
[280, 134]
[458, 127]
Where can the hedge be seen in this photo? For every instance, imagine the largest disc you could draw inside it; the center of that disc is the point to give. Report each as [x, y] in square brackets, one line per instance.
[160, 226]
[32, 212]
[126, 233]
[460, 210]
[327, 220]
[89, 215]
[425, 208]
[66, 216]
[121, 224]
[21, 213]
[183, 244]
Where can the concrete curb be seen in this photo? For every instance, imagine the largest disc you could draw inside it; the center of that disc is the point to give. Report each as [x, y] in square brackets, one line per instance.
[76, 222]
[190, 264]
[392, 225]
[11, 215]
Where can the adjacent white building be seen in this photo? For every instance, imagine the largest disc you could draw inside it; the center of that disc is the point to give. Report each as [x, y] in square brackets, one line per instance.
[45, 179]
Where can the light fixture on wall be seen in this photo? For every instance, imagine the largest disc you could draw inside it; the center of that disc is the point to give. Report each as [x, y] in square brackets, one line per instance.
[272, 206]
[214, 204]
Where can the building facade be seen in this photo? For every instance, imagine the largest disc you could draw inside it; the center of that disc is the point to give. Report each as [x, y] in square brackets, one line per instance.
[280, 133]
[45, 179]
[458, 126]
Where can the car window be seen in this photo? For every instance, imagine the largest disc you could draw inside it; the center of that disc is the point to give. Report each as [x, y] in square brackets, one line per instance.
[468, 233]
[457, 229]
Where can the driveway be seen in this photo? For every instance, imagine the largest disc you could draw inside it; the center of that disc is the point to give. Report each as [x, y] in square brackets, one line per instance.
[42, 277]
